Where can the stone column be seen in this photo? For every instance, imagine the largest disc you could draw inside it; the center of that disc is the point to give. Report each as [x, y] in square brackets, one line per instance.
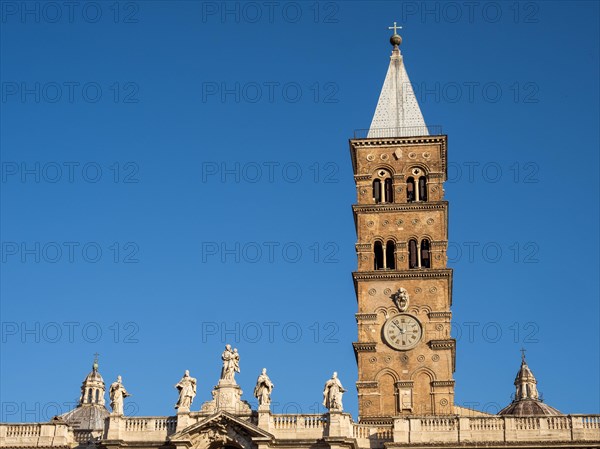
[183, 419]
[338, 424]
[264, 417]
[401, 430]
[116, 427]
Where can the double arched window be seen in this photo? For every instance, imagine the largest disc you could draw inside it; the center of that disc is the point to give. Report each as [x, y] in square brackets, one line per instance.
[419, 254]
[416, 186]
[385, 257]
[383, 189]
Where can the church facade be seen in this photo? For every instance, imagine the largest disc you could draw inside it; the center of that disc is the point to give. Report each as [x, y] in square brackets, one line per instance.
[404, 351]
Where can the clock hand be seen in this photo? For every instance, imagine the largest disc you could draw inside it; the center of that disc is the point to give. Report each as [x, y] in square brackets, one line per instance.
[402, 331]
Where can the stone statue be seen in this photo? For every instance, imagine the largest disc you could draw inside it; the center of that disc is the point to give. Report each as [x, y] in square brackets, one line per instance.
[117, 394]
[187, 391]
[231, 363]
[263, 388]
[332, 394]
[401, 299]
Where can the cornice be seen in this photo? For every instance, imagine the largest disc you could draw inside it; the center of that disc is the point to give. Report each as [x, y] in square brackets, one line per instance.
[442, 344]
[366, 317]
[400, 207]
[367, 384]
[387, 141]
[364, 347]
[423, 273]
[440, 315]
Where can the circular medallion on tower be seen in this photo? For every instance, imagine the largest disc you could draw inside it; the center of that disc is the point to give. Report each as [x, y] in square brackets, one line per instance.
[402, 332]
[370, 157]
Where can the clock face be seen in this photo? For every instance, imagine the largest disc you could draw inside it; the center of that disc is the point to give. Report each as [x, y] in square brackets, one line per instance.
[402, 332]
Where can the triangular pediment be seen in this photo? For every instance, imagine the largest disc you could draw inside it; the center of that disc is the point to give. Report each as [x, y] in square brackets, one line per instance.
[222, 429]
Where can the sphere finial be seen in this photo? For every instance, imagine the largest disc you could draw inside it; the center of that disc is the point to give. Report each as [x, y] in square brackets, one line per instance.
[95, 365]
[396, 39]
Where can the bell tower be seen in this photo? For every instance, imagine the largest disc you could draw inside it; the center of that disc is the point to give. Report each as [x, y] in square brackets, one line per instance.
[404, 351]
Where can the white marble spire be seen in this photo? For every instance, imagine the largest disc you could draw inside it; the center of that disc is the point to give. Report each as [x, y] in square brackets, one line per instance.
[397, 113]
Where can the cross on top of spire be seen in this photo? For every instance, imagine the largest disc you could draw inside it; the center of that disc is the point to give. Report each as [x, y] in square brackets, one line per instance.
[523, 354]
[395, 28]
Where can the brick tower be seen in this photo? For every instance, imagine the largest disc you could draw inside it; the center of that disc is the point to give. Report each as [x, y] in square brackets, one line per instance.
[404, 351]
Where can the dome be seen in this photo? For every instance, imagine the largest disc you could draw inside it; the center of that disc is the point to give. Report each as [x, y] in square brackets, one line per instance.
[93, 376]
[86, 417]
[527, 401]
[527, 407]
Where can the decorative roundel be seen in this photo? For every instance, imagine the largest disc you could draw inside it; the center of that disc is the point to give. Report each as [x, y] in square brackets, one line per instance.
[384, 157]
[435, 358]
[370, 157]
[372, 292]
[433, 290]
[401, 258]
[421, 358]
[415, 221]
[443, 401]
[388, 360]
[418, 290]
[412, 155]
[427, 155]
[370, 224]
[363, 191]
[439, 327]
[435, 188]
[399, 222]
[385, 222]
[416, 171]
[438, 257]
[373, 359]
[387, 291]
[404, 358]
[367, 404]
[382, 173]
[430, 221]
[364, 257]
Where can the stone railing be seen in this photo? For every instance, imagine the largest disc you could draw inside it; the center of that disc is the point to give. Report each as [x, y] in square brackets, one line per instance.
[368, 435]
[506, 429]
[297, 426]
[142, 428]
[36, 435]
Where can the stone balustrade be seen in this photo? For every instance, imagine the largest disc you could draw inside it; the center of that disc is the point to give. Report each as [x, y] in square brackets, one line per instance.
[405, 431]
[141, 428]
[36, 435]
[297, 426]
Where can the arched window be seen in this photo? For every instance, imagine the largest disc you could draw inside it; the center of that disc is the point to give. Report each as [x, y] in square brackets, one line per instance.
[383, 187]
[413, 261]
[97, 396]
[422, 188]
[410, 189]
[390, 257]
[377, 190]
[389, 191]
[416, 185]
[379, 256]
[89, 396]
[419, 254]
[425, 254]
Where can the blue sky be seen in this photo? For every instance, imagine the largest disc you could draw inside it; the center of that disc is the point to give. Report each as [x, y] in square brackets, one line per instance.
[176, 176]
